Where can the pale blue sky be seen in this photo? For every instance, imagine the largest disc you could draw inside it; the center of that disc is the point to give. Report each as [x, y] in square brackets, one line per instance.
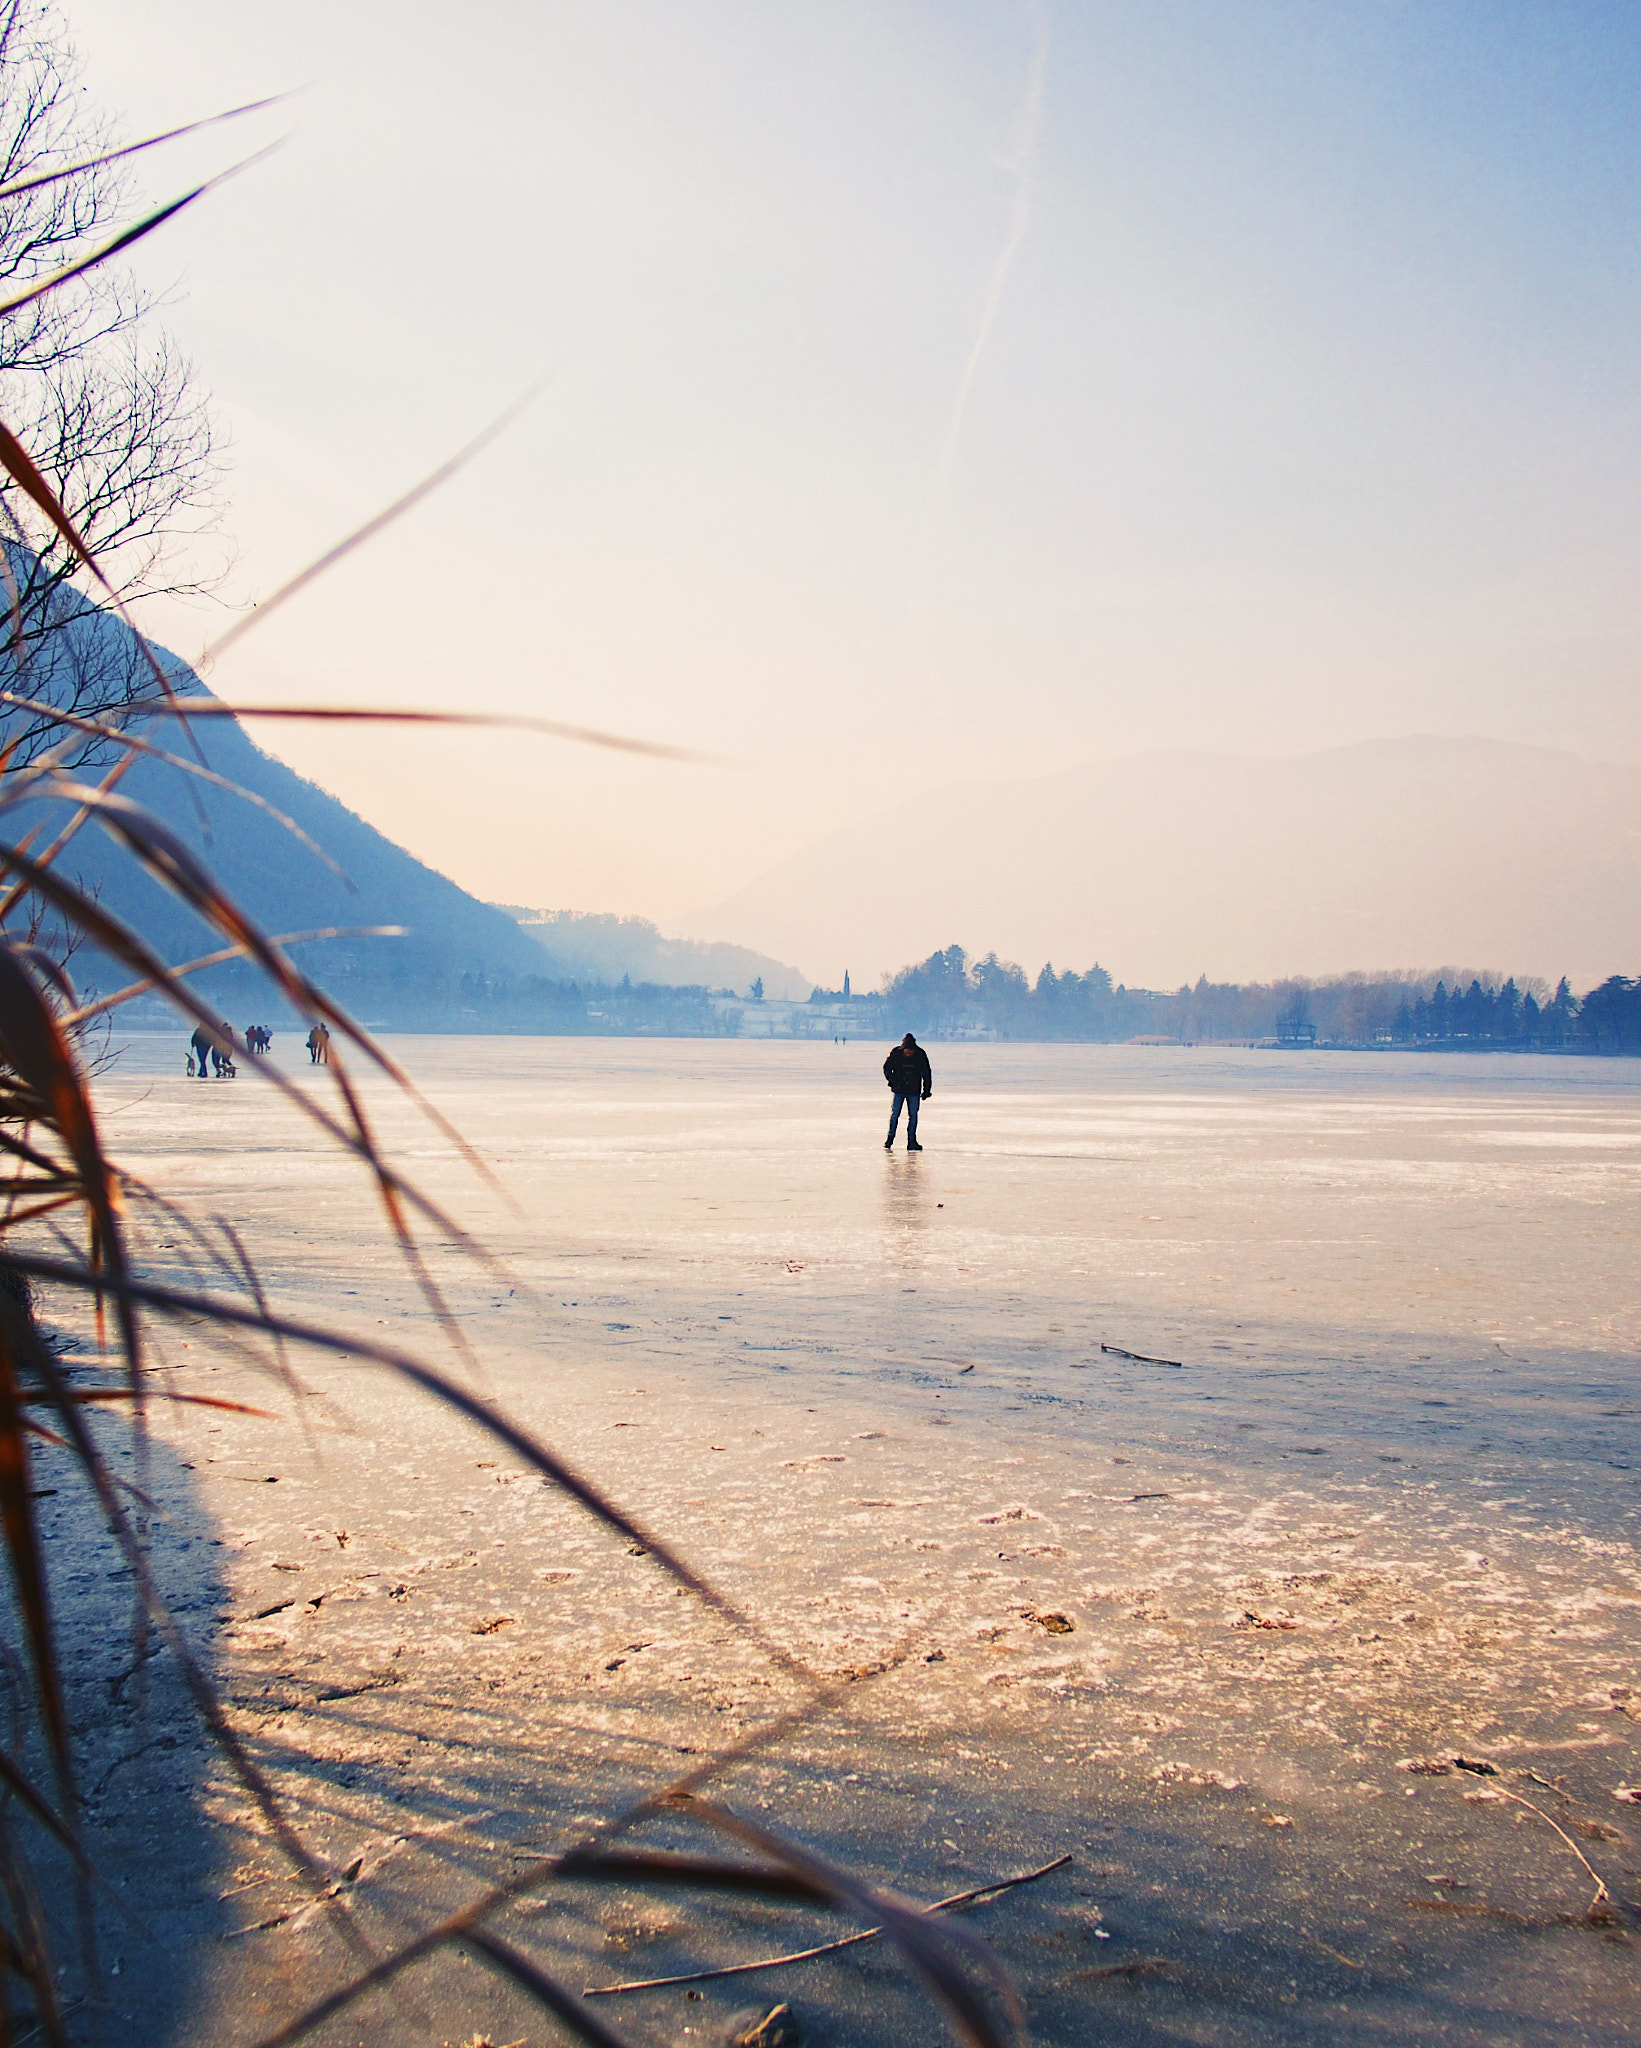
[1309, 410]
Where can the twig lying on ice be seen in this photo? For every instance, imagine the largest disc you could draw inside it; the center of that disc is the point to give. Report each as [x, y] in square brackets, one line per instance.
[1139, 1357]
[1142, 1966]
[1601, 1891]
[826, 1948]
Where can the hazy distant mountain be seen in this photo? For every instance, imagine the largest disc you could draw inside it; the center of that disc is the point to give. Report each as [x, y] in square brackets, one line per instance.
[460, 964]
[287, 887]
[1165, 866]
[586, 947]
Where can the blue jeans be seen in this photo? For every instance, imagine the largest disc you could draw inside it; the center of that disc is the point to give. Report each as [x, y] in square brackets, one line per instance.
[912, 1103]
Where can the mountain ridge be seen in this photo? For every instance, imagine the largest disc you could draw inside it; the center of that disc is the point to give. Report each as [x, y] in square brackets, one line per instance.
[601, 947]
[284, 885]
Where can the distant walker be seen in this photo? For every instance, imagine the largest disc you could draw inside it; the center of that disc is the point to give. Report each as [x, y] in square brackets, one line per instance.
[907, 1072]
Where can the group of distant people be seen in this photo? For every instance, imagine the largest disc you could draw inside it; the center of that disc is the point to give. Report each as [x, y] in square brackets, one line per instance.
[211, 1052]
[906, 1070]
[211, 1049]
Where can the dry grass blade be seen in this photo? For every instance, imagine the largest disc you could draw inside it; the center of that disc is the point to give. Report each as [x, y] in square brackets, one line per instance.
[592, 1863]
[18, 186]
[640, 1867]
[199, 1687]
[935, 1952]
[820, 1698]
[803, 1876]
[180, 1301]
[21, 1150]
[26, 1954]
[19, 890]
[247, 1272]
[116, 939]
[236, 1267]
[48, 969]
[394, 1192]
[126, 238]
[44, 1079]
[20, 466]
[47, 1084]
[372, 526]
[19, 1785]
[33, 1046]
[504, 721]
[22, 469]
[62, 1443]
[38, 1209]
[22, 1538]
[373, 1979]
[84, 1396]
[102, 729]
[565, 2007]
[170, 861]
[825, 1948]
[223, 953]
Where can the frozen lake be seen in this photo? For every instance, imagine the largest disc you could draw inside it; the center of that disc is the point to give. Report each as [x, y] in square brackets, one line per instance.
[1362, 1227]
[1484, 1197]
[1381, 1507]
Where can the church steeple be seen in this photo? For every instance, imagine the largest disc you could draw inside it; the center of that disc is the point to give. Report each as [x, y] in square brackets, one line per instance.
[846, 984]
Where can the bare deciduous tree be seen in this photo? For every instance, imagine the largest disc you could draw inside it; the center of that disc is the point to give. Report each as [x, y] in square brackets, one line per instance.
[101, 399]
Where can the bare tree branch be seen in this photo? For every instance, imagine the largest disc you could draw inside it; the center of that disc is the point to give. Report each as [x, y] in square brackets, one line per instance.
[104, 403]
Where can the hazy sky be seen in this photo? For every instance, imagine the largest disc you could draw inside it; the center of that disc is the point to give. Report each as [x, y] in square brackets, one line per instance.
[934, 390]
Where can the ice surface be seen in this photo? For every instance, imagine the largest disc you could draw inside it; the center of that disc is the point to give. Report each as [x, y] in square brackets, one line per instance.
[1384, 1509]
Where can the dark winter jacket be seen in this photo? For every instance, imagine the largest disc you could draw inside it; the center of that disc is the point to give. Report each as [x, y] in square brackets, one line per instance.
[907, 1072]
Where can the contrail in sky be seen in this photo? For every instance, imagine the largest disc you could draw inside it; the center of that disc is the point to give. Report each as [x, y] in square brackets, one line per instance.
[1018, 164]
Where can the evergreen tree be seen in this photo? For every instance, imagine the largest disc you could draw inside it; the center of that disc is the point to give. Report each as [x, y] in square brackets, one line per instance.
[1559, 1013]
[1610, 1016]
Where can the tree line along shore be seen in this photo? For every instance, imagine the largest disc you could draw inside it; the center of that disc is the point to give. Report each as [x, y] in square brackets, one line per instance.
[952, 997]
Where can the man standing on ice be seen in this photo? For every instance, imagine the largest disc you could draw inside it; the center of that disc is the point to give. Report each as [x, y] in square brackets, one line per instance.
[907, 1072]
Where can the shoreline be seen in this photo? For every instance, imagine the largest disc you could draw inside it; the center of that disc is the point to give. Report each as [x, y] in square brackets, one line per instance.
[146, 1036]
